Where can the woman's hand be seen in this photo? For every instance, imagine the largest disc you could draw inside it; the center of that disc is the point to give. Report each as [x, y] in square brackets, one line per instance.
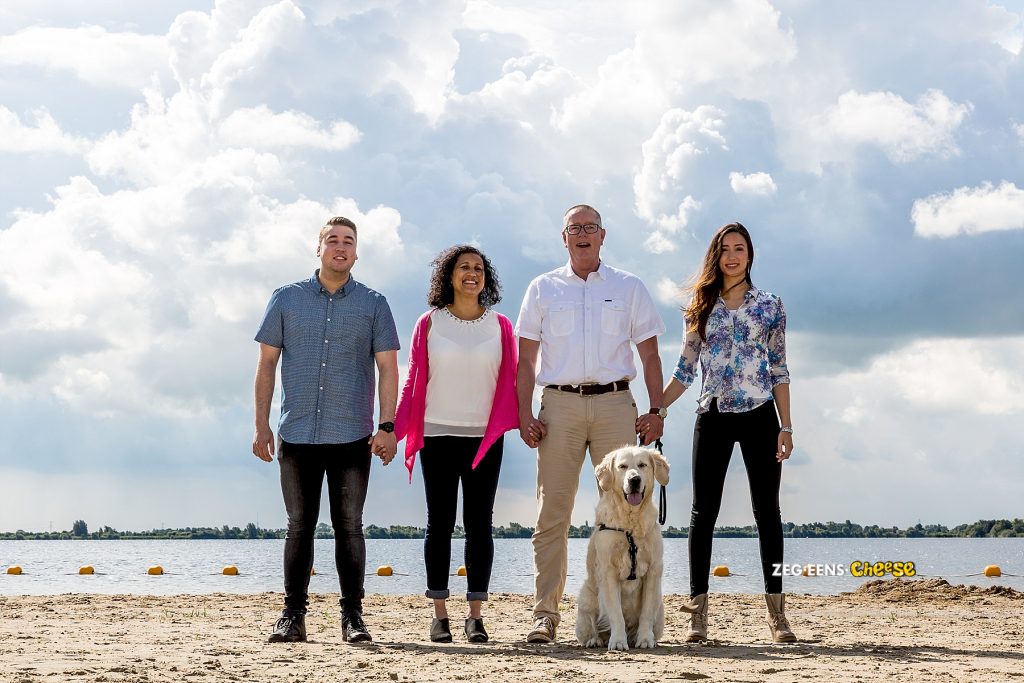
[532, 430]
[785, 446]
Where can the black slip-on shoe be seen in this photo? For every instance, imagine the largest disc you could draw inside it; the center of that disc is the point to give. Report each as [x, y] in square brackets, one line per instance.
[475, 632]
[290, 628]
[353, 629]
[440, 631]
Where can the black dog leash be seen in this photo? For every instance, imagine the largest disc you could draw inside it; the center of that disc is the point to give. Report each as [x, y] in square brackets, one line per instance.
[663, 499]
[632, 548]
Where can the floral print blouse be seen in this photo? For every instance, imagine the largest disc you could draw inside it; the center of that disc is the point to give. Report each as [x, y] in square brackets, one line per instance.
[744, 357]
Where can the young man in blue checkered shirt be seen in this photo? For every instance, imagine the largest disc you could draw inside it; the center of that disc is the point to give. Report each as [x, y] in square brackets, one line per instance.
[329, 332]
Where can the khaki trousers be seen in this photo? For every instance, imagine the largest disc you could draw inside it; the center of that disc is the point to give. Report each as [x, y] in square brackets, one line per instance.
[574, 424]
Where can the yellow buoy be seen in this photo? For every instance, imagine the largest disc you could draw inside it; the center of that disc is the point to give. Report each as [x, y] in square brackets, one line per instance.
[720, 570]
[86, 569]
[385, 570]
[461, 571]
[312, 571]
[230, 570]
[993, 570]
[155, 570]
[807, 570]
[15, 569]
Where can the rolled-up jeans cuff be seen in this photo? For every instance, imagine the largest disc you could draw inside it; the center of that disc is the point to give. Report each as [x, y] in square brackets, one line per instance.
[476, 595]
[437, 595]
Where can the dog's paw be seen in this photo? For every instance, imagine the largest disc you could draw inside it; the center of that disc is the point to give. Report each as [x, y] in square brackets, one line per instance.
[617, 644]
[646, 641]
[594, 642]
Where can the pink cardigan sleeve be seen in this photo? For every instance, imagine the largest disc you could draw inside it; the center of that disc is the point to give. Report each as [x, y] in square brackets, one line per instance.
[505, 407]
[412, 402]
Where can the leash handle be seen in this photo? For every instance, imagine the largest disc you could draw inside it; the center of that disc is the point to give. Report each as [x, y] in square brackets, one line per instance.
[663, 500]
[662, 507]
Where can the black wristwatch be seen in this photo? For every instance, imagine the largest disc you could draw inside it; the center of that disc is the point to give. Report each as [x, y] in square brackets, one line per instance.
[388, 427]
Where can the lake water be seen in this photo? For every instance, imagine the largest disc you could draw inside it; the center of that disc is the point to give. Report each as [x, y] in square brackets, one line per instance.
[194, 567]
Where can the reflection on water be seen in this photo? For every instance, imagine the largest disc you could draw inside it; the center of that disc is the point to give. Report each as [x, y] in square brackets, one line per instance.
[194, 567]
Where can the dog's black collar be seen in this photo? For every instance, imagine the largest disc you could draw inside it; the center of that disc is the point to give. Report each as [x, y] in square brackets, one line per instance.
[632, 548]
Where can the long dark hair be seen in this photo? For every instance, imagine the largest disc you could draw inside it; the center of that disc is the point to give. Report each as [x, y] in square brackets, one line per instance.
[442, 293]
[707, 286]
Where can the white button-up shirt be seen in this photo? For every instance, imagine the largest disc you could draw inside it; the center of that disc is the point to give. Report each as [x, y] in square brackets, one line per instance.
[585, 327]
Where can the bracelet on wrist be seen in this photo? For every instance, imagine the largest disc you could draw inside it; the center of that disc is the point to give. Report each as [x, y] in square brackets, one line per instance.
[788, 430]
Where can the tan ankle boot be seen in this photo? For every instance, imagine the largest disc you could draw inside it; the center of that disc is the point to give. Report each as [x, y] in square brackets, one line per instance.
[777, 622]
[698, 609]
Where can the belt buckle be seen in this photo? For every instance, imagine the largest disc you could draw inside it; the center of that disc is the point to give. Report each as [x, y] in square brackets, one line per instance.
[586, 389]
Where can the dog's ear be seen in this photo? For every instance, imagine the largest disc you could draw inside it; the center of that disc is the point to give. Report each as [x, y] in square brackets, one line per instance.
[603, 472]
[660, 468]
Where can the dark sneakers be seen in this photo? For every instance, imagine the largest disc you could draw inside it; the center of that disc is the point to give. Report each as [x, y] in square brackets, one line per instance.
[353, 629]
[290, 628]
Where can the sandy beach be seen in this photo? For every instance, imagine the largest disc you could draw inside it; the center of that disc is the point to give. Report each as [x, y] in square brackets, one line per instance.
[923, 630]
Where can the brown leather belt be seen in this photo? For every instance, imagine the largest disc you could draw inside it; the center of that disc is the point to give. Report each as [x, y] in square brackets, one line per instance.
[591, 389]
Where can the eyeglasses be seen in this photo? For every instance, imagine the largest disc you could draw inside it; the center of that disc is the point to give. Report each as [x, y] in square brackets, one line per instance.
[576, 228]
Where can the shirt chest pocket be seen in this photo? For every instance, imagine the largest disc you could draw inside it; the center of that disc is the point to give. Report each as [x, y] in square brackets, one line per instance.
[614, 320]
[560, 318]
[351, 330]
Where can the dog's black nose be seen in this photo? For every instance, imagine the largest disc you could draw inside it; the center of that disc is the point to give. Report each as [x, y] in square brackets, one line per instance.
[634, 482]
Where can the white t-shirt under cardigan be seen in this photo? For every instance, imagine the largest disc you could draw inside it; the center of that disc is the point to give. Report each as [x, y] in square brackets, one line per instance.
[464, 359]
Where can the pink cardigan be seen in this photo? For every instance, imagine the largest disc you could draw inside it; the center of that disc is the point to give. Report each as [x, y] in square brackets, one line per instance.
[412, 405]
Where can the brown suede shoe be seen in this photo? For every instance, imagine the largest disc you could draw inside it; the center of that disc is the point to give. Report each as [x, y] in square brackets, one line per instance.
[543, 631]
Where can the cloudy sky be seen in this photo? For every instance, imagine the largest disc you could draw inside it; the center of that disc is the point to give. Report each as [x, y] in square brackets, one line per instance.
[165, 169]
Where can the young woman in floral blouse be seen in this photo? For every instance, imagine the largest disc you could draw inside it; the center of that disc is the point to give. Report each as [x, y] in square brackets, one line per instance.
[738, 334]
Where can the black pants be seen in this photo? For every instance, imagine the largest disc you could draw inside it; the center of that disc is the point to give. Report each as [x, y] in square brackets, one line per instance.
[714, 436]
[347, 467]
[446, 460]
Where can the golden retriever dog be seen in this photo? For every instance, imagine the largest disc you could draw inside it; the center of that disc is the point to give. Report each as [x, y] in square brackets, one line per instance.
[620, 602]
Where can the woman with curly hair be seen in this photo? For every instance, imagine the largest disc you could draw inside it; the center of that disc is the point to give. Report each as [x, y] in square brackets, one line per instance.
[458, 401]
[738, 333]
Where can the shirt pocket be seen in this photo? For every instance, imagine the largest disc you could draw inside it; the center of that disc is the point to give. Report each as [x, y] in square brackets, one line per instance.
[614, 320]
[560, 318]
[351, 332]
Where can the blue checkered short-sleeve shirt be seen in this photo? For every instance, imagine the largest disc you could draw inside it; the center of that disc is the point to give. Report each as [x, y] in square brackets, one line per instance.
[327, 343]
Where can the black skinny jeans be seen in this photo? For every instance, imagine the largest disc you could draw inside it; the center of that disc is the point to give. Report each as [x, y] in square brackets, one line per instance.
[347, 467]
[714, 436]
[446, 460]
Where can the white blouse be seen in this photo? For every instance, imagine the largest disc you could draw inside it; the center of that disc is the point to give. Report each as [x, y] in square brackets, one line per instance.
[464, 357]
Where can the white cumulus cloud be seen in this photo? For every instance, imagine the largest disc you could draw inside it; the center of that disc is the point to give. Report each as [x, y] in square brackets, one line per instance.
[92, 53]
[260, 128]
[44, 136]
[759, 184]
[659, 186]
[904, 131]
[970, 210]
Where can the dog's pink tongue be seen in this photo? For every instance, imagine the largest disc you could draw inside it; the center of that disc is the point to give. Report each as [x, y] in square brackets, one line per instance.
[635, 498]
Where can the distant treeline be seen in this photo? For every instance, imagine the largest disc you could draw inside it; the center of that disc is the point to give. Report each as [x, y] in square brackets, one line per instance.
[985, 528]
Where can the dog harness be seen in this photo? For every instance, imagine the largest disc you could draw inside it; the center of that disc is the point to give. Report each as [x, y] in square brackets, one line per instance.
[632, 548]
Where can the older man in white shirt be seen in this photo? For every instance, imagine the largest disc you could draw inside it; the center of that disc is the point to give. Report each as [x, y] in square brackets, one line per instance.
[582, 318]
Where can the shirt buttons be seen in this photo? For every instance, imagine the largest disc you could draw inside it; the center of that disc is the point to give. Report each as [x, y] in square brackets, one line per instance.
[323, 365]
[328, 320]
[321, 388]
